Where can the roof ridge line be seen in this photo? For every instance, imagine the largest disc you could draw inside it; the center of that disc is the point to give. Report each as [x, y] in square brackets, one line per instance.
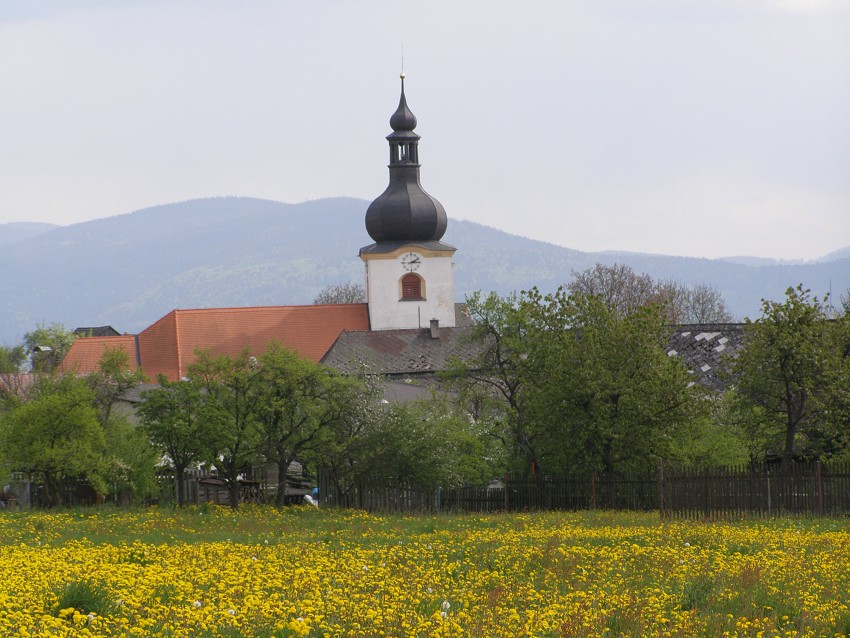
[239, 308]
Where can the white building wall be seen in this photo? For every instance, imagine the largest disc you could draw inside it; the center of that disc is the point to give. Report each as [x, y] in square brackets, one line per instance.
[387, 311]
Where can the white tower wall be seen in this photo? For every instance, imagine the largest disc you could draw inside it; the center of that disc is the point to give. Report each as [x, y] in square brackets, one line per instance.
[388, 310]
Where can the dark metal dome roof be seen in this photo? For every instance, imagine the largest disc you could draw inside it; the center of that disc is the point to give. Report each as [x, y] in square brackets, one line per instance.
[404, 211]
[403, 119]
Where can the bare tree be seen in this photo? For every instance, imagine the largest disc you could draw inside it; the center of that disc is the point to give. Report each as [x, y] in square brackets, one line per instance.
[624, 291]
[349, 292]
[704, 304]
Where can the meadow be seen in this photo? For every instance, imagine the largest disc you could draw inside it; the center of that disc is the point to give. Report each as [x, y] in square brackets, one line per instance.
[257, 571]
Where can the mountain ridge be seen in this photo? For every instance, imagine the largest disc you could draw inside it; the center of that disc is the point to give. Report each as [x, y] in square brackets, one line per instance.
[18, 231]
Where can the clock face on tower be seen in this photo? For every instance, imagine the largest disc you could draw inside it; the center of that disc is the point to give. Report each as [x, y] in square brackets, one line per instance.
[411, 261]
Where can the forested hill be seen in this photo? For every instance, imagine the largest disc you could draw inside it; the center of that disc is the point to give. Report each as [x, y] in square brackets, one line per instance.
[19, 231]
[129, 270]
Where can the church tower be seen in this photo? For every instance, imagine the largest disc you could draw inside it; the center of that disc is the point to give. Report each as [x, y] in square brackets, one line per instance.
[409, 271]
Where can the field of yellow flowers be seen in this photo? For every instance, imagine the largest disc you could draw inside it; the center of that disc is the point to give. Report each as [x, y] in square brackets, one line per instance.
[210, 571]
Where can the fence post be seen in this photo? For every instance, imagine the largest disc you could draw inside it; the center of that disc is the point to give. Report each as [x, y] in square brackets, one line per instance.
[819, 487]
[593, 491]
[661, 486]
[767, 474]
[506, 491]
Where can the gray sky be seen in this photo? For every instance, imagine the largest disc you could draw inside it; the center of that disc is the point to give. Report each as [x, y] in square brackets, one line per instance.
[705, 128]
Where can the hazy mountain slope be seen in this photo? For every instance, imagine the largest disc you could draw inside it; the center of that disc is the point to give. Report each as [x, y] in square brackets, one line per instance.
[129, 270]
[19, 231]
[841, 253]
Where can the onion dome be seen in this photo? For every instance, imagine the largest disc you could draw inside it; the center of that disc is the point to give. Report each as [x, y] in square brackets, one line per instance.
[404, 212]
[403, 119]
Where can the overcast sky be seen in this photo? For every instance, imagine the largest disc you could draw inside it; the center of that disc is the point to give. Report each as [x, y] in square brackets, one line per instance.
[705, 128]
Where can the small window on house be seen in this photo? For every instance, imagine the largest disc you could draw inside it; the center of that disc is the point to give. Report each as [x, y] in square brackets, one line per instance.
[411, 287]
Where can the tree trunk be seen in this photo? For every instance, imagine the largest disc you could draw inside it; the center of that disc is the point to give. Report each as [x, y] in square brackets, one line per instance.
[180, 479]
[233, 484]
[280, 498]
[233, 490]
[788, 451]
[53, 490]
[794, 415]
[526, 445]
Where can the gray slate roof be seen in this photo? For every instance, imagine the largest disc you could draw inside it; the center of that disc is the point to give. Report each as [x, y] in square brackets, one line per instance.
[97, 331]
[704, 348]
[399, 352]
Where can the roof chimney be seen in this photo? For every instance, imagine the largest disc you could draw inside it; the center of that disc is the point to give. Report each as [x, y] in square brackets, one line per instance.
[435, 328]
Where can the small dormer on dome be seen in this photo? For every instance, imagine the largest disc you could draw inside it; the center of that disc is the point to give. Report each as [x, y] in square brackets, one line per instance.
[404, 212]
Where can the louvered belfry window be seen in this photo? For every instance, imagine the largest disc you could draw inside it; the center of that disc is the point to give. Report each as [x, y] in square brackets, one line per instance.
[411, 287]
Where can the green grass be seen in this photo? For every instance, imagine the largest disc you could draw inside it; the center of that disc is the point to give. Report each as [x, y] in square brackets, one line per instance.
[86, 597]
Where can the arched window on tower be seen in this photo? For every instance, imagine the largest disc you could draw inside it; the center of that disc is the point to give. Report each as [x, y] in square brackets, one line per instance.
[412, 287]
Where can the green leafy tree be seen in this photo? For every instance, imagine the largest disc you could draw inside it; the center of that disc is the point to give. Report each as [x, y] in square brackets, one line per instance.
[354, 453]
[130, 462]
[791, 377]
[12, 359]
[115, 376]
[601, 386]
[445, 444]
[580, 384]
[714, 438]
[172, 417]
[56, 435]
[428, 442]
[300, 402]
[492, 384]
[232, 411]
[48, 345]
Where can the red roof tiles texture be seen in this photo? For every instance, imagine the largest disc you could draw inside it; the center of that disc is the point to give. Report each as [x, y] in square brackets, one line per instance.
[85, 353]
[168, 346]
[158, 348]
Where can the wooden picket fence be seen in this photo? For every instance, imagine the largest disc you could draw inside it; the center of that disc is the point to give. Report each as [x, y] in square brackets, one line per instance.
[813, 489]
[515, 493]
[809, 489]
[401, 499]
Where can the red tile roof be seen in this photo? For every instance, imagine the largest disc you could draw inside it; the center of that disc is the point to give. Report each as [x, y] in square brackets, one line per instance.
[168, 346]
[85, 352]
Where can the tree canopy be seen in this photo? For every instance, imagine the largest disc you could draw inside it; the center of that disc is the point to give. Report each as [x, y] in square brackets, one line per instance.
[602, 387]
[570, 383]
[625, 291]
[172, 418]
[12, 359]
[791, 378]
[302, 403]
[56, 435]
[48, 344]
[349, 292]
